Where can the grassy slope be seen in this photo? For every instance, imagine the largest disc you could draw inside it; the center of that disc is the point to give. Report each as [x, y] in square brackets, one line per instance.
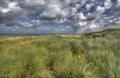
[93, 55]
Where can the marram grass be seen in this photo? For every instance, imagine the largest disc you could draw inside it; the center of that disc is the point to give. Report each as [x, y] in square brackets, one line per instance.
[94, 55]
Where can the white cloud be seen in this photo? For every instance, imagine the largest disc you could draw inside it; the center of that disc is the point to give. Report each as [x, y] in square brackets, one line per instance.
[88, 6]
[118, 3]
[10, 7]
[4, 10]
[108, 4]
[99, 11]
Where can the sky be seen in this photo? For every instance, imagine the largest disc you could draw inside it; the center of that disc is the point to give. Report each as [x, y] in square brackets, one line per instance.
[58, 16]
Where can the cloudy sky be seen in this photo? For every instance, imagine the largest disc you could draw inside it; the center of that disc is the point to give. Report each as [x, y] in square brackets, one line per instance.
[58, 16]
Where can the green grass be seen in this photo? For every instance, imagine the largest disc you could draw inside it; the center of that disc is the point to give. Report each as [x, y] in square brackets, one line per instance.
[93, 55]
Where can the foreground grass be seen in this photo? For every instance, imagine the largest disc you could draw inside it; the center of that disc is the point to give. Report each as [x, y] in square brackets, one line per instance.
[94, 55]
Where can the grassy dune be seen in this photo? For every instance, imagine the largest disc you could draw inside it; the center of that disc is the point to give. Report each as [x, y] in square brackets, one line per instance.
[93, 55]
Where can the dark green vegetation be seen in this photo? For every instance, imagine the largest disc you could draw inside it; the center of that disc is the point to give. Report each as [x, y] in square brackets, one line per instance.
[94, 55]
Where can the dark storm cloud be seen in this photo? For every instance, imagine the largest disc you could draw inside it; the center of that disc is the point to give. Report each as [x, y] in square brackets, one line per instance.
[9, 11]
[3, 3]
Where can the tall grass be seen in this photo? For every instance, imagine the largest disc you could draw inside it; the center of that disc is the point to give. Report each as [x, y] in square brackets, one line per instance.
[93, 55]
